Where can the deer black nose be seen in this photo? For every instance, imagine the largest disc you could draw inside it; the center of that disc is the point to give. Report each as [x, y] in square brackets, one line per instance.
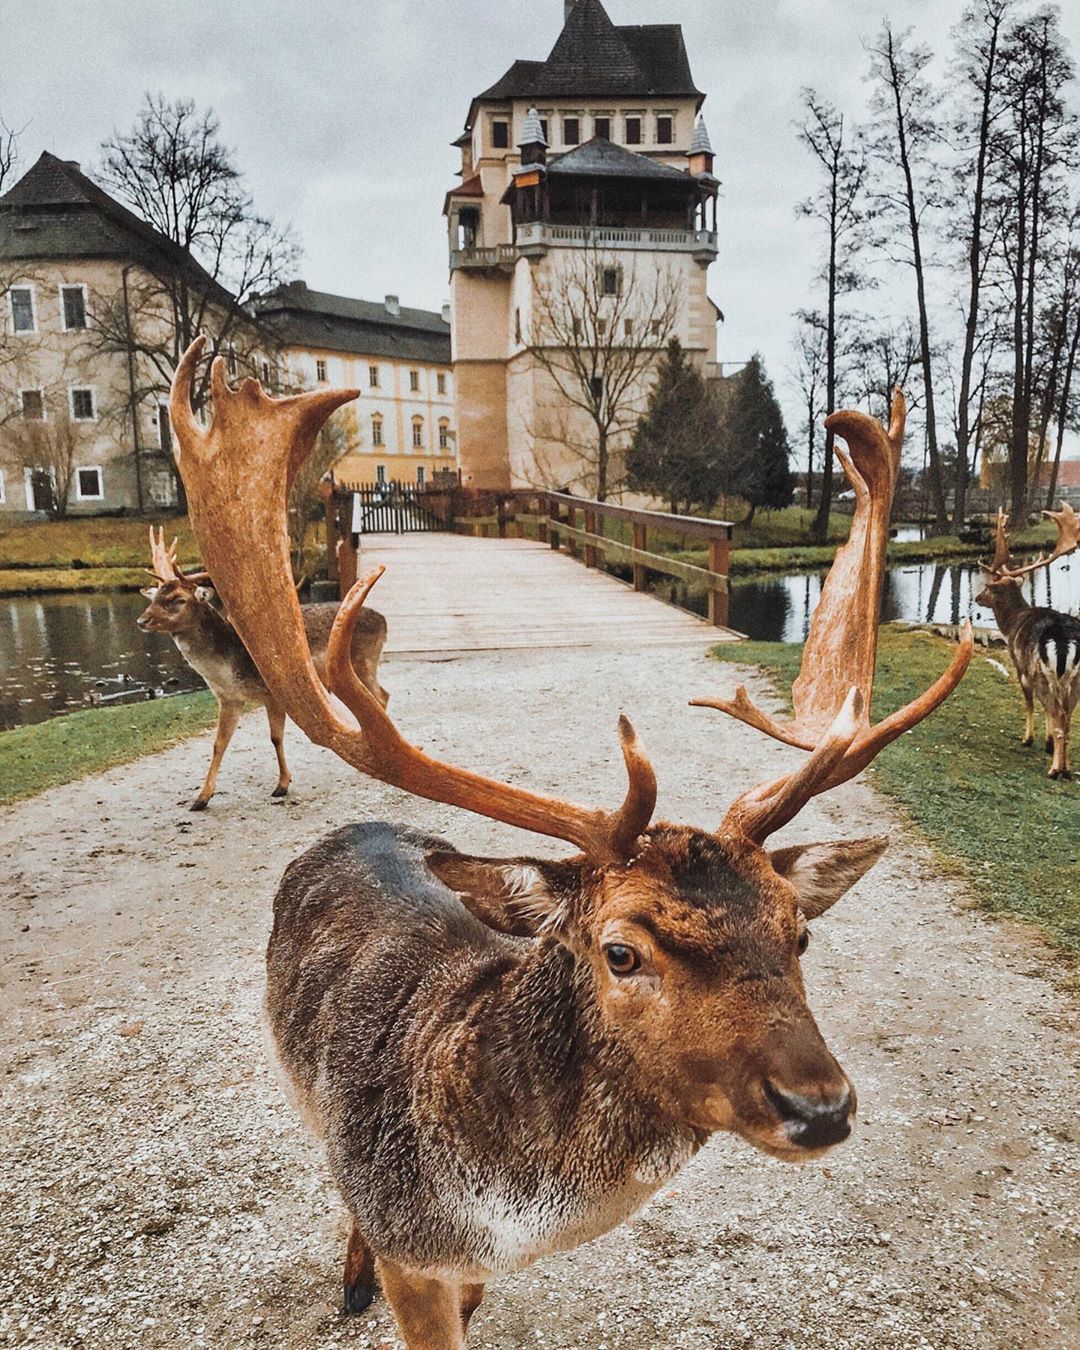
[812, 1122]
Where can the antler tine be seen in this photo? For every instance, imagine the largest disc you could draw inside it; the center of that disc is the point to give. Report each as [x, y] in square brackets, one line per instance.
[1000, 561]
[841, 649]
[237, 474]
[162, 559]
[1068, 540]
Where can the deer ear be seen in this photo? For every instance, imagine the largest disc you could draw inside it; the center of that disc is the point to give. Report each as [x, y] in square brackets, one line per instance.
[525, 897]
[822, 873]
[149, 592]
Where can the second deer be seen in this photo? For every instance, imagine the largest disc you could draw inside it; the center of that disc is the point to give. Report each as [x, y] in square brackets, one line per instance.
[180, 605]
[505, 1057]
[1044, 643]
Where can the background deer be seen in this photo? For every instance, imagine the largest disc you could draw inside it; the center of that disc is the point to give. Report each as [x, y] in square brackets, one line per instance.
[1044, 643]
[181, 606]
[507, 1056]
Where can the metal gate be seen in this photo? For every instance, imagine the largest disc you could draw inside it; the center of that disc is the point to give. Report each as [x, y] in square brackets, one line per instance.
[394, 508]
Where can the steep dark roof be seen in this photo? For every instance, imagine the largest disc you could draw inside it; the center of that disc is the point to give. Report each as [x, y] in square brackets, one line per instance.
[592, 57]
[338, 323]
[55, 211]
[599, 158]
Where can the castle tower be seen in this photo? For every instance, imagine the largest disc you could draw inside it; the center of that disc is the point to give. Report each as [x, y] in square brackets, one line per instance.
[591, 164]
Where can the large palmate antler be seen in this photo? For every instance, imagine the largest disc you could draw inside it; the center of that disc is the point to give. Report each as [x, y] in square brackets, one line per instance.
[832, 693]
[1068, 540]
[237, 473]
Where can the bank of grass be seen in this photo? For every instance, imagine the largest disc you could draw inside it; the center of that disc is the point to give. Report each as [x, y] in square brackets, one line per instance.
[49, 754]
[55, 580]
[962, 776]
[90, 541]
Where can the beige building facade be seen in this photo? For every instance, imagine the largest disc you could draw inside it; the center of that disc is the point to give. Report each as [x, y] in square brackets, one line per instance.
[587, 203]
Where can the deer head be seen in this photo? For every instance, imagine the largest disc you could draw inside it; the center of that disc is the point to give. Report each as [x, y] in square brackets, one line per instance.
[685, 943]
[176, 599]
[1002, 575]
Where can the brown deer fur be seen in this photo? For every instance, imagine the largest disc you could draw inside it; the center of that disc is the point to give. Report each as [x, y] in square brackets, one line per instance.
[506, 1057]
[1044, 643]
[212, 647]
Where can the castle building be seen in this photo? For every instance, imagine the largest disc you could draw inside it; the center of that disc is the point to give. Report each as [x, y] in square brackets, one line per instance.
[581, 235]
[401, 428]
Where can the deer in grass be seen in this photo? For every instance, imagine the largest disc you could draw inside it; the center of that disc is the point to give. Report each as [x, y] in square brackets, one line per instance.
[181, 605]
[1044, 643]
[506, 1057]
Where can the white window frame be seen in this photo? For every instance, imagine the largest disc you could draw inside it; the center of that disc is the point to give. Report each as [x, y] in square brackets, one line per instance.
[81, 496]
[418, 432]
[414, 381]
[506, 120]
[444, 433]
[629, 115]
[33, 389]
[73, 286]
[28, 483]
[82, 389]
[377, 432]
[380, 474]
[569, 114]
[440, 382]
[374, 378]
[598, 114]
[668, 145]
[22, 286]
[321, 366]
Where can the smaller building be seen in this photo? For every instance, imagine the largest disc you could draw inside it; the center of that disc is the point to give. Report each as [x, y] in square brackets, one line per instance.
[401, 428]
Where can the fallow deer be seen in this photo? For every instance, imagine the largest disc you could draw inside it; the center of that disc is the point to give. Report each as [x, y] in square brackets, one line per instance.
[181, 606]
[1044, 643]
[507, 1056]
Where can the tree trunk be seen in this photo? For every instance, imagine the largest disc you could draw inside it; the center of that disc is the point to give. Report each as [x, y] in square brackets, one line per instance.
[601, 464]
[810, 429]
[1063, 413]
[820, 530]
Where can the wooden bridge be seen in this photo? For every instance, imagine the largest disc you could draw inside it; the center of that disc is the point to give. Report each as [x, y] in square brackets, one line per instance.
[447, 593]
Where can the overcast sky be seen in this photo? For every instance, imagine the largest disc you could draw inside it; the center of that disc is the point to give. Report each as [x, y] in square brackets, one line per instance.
[341, 116]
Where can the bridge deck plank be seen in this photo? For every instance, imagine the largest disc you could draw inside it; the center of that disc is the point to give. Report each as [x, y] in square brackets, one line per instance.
[445, 593]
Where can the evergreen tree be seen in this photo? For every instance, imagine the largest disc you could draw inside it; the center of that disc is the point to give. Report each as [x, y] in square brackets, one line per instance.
[674, 451]
[754, 441]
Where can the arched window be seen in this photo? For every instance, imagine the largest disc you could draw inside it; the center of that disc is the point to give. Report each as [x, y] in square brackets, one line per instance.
[444, 433]
[376, 429]
[418, 432]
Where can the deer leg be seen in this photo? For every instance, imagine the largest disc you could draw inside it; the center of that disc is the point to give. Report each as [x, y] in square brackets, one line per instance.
[1053, 721]
[1066, 728]
[472, 1296]
[228, 716]
[359, 1279]
[276, 717]
[428, 1312]
[1029, 714]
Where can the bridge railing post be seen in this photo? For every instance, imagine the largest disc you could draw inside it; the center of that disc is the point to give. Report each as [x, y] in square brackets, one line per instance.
[640, 541]
[719, 598]
[590, 528]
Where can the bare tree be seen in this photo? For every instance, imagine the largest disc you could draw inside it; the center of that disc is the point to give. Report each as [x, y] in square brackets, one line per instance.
[174, 172]
[906, 109]
[49, 449]
[598, 330]
[306, 506]
[809, 374]
[1061, 338]
[976, 77]
[839, 207]
[882, 357]
[9, 153]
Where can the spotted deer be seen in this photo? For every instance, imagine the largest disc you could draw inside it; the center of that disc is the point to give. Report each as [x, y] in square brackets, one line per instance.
[1044, 643]
[181, 606]
[505, 1057]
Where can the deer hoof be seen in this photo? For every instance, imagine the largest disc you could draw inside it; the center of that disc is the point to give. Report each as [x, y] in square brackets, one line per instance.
[1053, 773]
[199, 805]
[279, 792]
[1028, 740]
[1065, 776]
[358, 1298]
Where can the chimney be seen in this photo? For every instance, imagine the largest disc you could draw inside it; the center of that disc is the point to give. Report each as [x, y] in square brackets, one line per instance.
[446, 311]
[393, 305]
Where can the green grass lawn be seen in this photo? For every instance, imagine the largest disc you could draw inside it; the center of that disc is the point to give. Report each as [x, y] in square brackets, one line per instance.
[49, 754]
[962, 776]
[95, 541]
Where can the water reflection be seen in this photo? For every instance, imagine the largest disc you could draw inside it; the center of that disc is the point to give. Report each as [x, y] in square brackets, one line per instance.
[57, 649]
[778, 609]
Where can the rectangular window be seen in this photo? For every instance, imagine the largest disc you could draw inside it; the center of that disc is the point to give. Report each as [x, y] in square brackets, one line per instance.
[440, 381]
[500, 134]
[88, 485]
[628, 328]
[633, 131]
[373, 377]
[576, 325]
[414, 380]
[419, 475]
[609, 281]
[22, 309]
[232, 359]
[571, 130]
[417, 434]
[380, 474]
[544, 130]
[596, 389]
[73, 300]
[602, 128]
[164, 428]
[444, 436]
[320, 370]
[33, 404]
[82, 405]
[264, 368]
[654, 327]
[601, 327]
[665, 130]
[376, 431]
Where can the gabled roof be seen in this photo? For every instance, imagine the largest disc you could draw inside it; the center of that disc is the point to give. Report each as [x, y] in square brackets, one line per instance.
[323, 322]
[56, 211]
[593, 57]
[599, 158]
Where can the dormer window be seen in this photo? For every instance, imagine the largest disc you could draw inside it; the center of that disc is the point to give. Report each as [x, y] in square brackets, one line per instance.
[665, 129]
[500, 133]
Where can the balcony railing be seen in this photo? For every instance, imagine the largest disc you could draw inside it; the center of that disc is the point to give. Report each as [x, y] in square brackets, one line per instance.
[502, 255]
[535, 237]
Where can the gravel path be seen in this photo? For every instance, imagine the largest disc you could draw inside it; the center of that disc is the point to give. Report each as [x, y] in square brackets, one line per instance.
[157, 1191]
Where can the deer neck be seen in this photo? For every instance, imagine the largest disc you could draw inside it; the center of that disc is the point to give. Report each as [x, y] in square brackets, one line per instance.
[1009, 606]
[212, 643]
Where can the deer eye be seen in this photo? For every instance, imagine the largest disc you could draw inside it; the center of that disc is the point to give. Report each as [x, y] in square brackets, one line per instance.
[804, 941]
[622, 960]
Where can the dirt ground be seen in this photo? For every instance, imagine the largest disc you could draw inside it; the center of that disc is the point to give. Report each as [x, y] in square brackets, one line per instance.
[156, 1189]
